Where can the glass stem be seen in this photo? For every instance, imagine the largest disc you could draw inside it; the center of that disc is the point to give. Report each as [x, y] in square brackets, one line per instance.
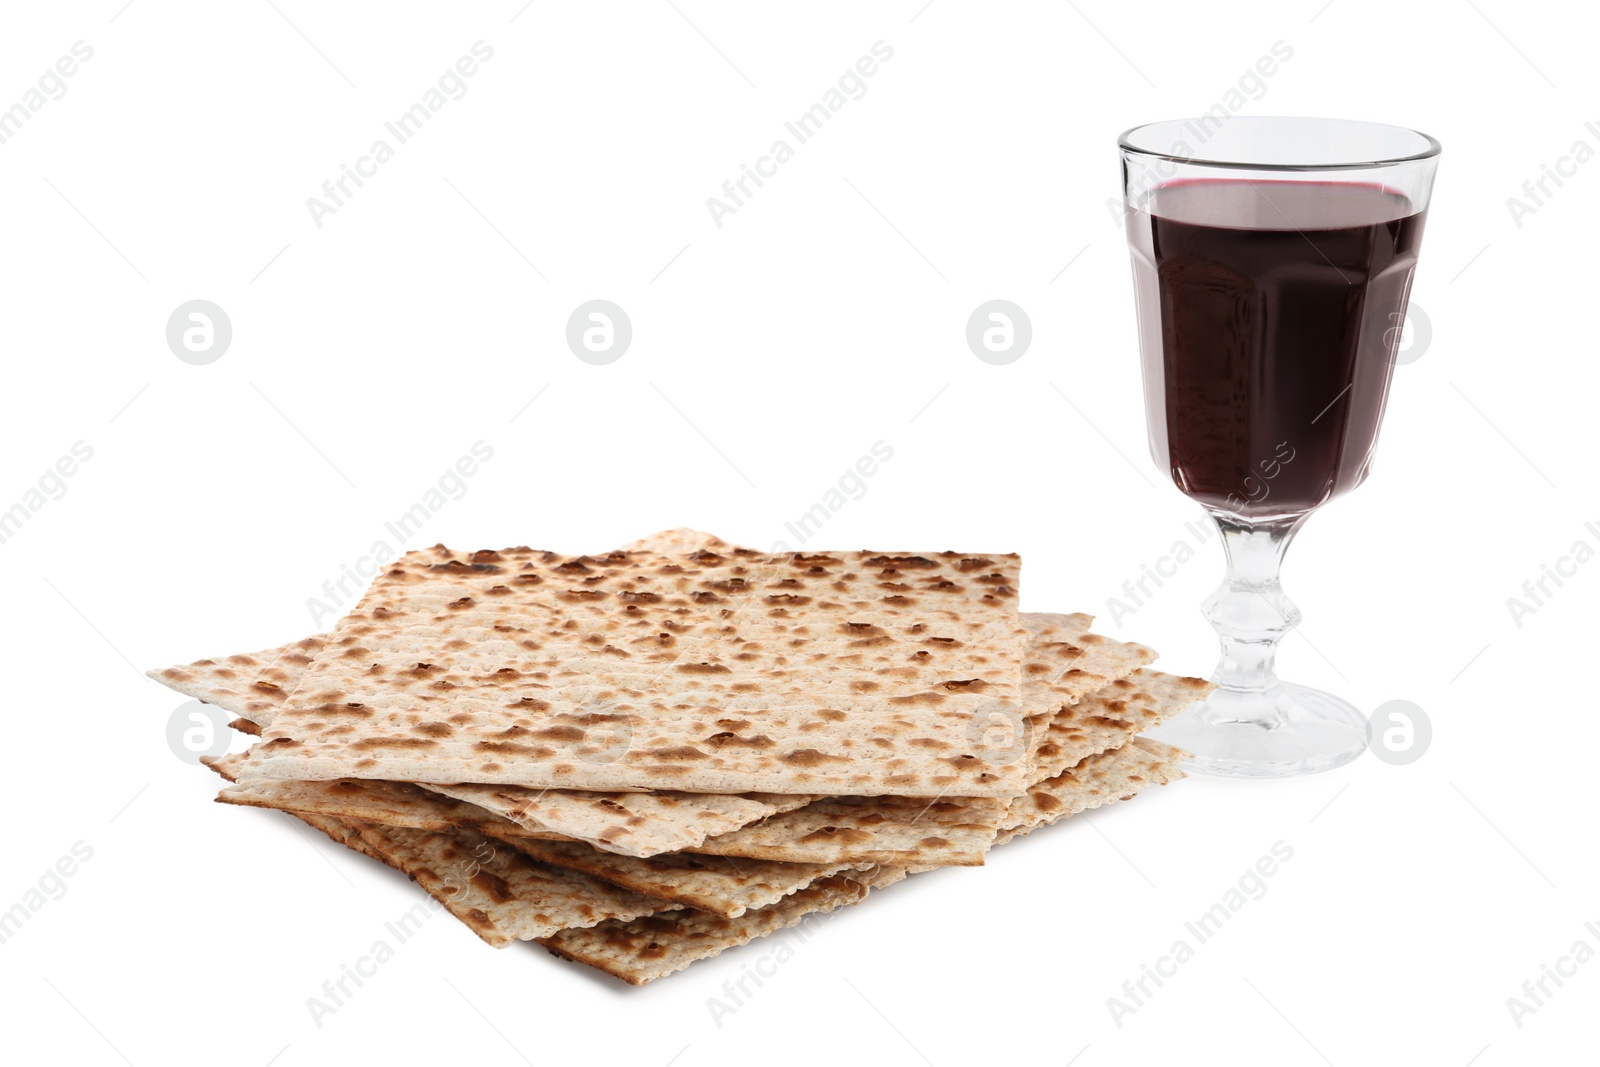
[1249, 610]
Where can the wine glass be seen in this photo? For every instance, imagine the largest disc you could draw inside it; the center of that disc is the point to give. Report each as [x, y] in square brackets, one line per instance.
[1272, 262]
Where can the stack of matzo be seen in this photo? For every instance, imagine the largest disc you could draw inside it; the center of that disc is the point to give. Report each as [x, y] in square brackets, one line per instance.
[641, 758]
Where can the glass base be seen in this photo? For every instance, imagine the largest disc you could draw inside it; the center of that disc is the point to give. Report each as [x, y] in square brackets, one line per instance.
[1274, 733]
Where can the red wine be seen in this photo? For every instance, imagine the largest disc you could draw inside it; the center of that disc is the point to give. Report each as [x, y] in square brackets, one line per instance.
[1268, 315]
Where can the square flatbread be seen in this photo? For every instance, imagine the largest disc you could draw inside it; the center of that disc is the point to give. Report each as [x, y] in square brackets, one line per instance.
[228, 681]
[1064, 663]
[1101, 779]
[629, 824]
[634, 824]
[642, 824]
[647, 947]
[271, 688]
[1106, 718]
[501, 893]
[395, 804]
[642, 950]
[848, 673]
[718, 885]
[714, 884]
[958, 831]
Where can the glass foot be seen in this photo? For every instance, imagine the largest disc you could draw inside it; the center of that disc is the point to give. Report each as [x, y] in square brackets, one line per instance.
[1275, 733]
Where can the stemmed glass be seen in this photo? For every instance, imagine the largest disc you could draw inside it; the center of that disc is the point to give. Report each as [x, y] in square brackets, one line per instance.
[1272, 262]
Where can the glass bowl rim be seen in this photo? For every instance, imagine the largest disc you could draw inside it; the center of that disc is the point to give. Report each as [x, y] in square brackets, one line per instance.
[1432, 149]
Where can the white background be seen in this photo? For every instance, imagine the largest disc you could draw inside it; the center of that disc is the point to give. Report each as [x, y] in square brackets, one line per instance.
[768, 354]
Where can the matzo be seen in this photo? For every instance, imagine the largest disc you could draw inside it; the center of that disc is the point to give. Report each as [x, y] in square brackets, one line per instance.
[226, 765]
[712, 884]
[1100, 779]
[225, 682]
[341, 809]
[1106, 718]
[395, 804]
[845, 673]
[642, 950]
[629, 824]
[956, 831]
[271, 688]
[1064, 662]
[633, 824]
[499, 892]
